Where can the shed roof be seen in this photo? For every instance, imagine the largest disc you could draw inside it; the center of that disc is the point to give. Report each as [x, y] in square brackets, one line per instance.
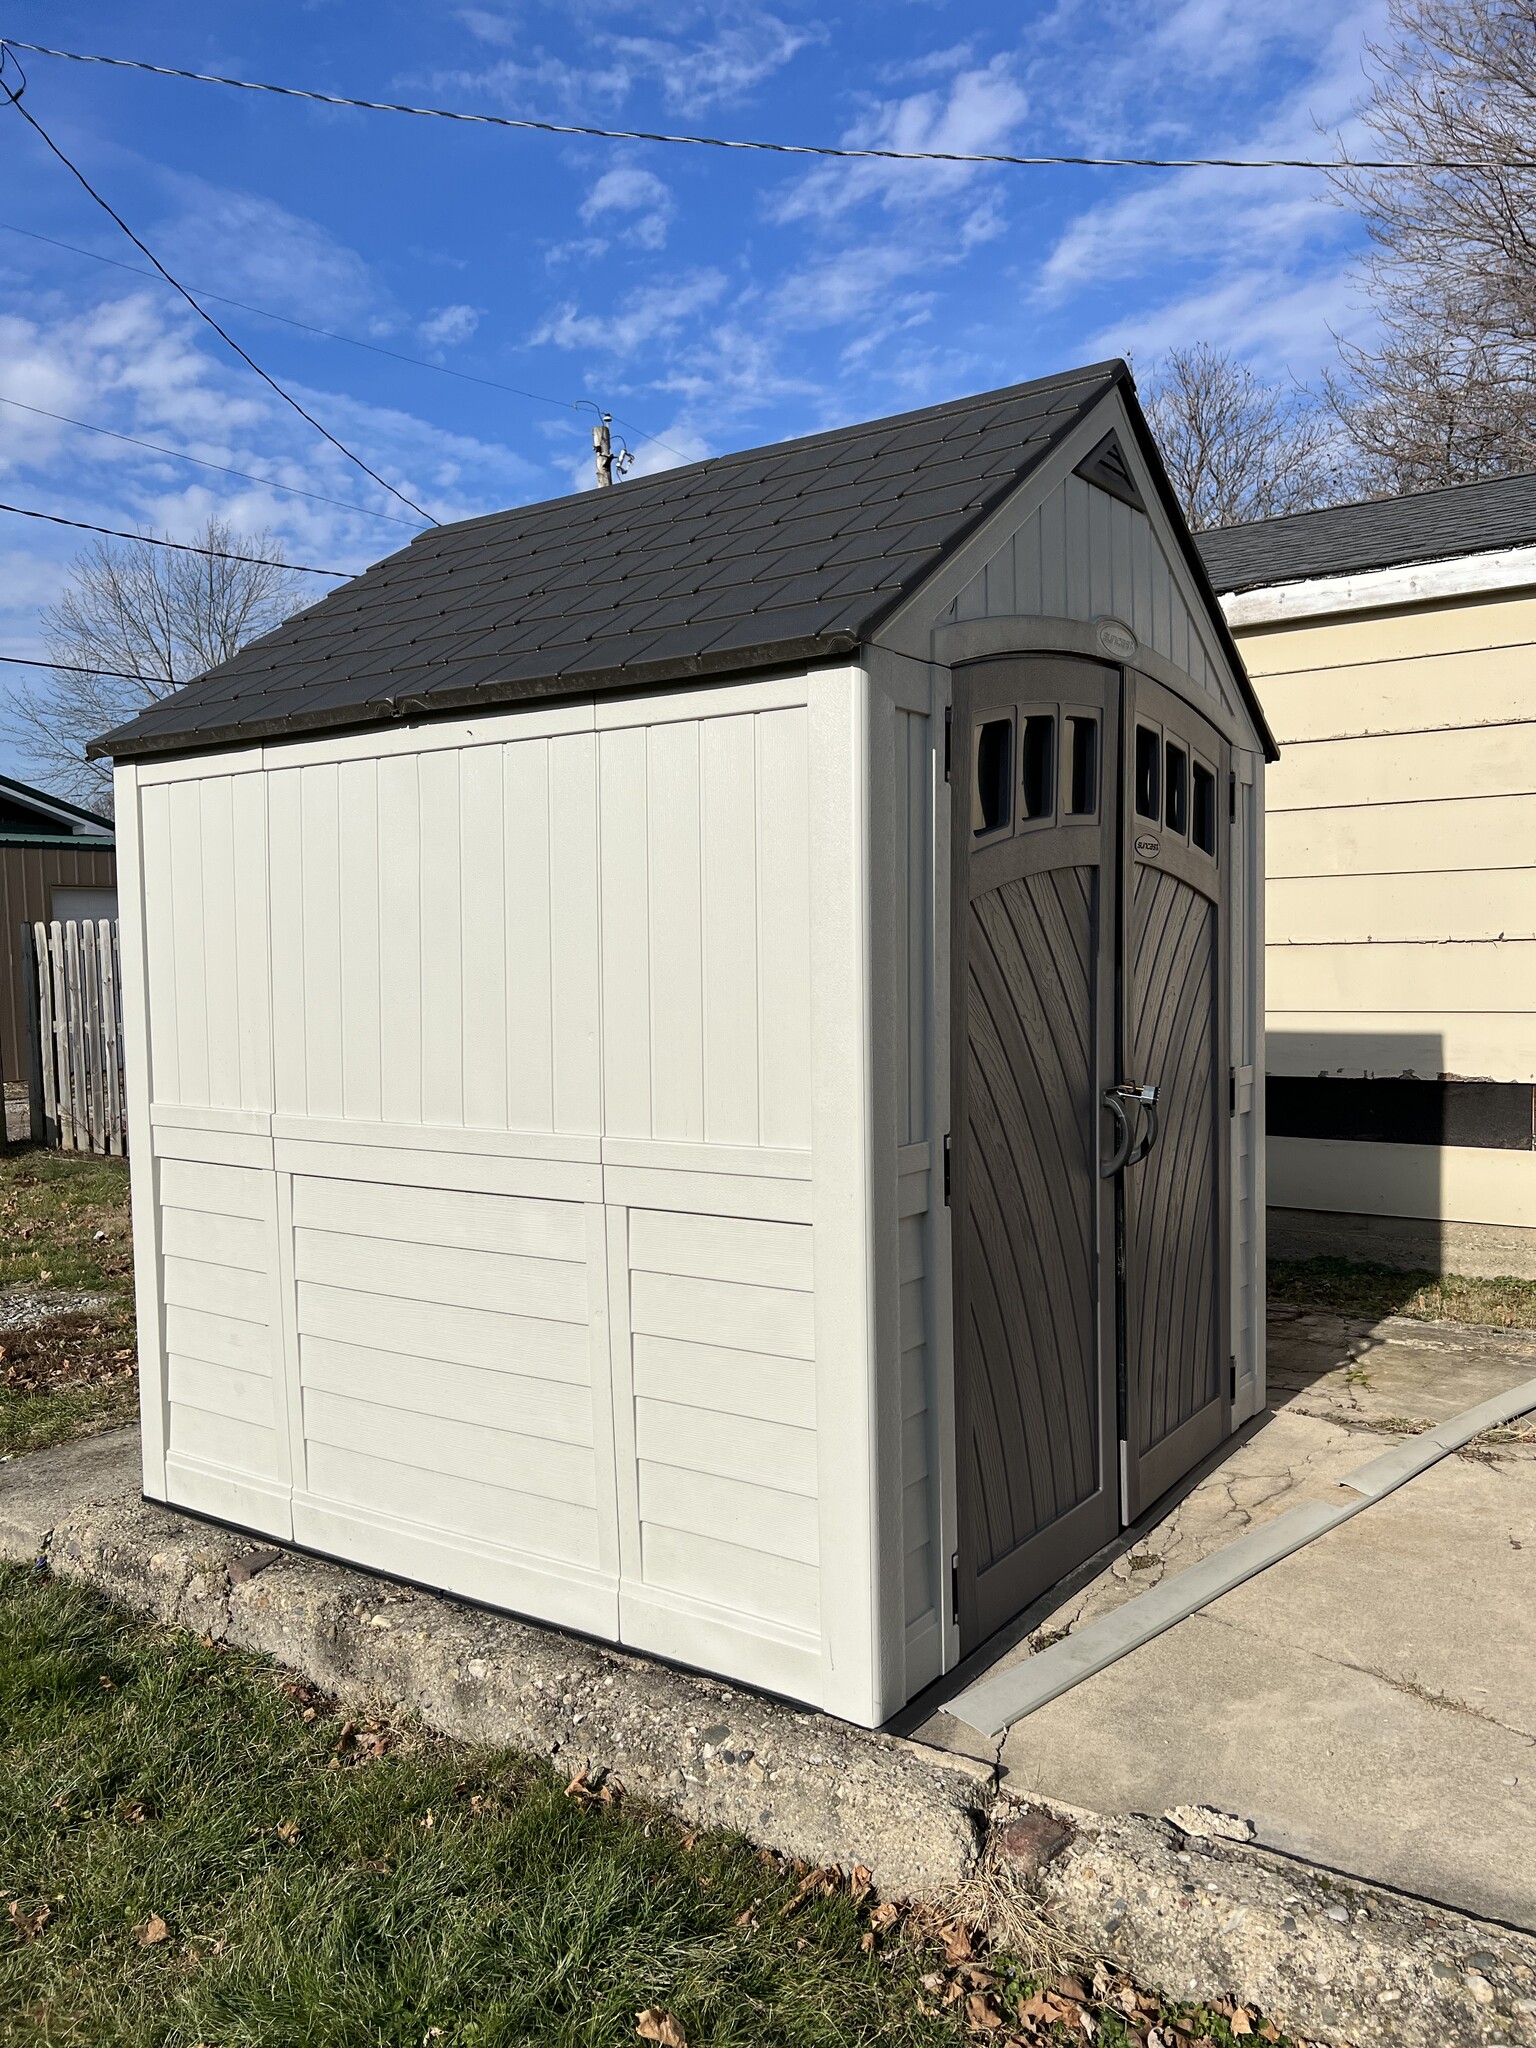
[1467, 519]
[789, 553]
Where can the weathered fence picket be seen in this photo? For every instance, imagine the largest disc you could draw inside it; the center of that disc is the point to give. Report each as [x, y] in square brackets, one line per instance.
[74, 1035]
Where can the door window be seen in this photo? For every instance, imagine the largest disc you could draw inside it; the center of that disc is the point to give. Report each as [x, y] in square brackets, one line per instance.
[992, 786]
[1038, 778]
[1082, 765]
[1202, 823]
[1176, 790]
[1149, 772]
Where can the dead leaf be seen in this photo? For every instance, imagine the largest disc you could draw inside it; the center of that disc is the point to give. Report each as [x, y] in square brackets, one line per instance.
[578, 1788]
[867, 1941]
[884, 1917]
[689, 1839]
[655, 2025]
[134, 1812]
[29, 1926]
[1270, 2031]
[427, 1822]
[288, 1832]
[979, 2012]
[345, 1739]
[957, 1944]
[1241, 2021]
[861, 1882]
[1036, 2007]
[933, 1981]
[153, 1930]
[1072, 1987]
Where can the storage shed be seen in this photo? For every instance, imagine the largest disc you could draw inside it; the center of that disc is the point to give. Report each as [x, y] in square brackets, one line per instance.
[628, 999]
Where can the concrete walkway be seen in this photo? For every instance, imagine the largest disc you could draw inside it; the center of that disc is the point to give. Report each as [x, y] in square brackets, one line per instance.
[1369, 1703]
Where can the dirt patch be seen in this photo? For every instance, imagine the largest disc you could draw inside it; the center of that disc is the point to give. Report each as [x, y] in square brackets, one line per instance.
[81, 1349]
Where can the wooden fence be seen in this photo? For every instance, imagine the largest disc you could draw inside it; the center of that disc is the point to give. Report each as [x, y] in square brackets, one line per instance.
[74, 1034]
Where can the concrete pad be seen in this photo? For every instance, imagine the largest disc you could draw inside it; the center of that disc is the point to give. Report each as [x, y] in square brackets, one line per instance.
[1368, 1703]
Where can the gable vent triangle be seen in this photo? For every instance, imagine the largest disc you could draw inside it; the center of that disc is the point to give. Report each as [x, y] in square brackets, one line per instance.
[1107, 467]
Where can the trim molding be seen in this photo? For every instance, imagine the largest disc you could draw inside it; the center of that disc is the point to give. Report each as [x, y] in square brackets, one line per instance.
[1316, 597]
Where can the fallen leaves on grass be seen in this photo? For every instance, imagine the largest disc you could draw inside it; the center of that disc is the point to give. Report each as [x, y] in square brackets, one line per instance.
[655, 2025]
[29, 1926]
[153, 1930]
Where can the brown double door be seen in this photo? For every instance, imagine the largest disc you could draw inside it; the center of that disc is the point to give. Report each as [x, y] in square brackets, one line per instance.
[1087, 948]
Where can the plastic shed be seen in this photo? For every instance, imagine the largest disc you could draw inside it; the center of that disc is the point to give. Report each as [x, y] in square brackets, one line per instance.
[641, 1009]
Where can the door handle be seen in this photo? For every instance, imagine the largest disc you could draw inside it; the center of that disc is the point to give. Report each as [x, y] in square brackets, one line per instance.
[1129, 1152]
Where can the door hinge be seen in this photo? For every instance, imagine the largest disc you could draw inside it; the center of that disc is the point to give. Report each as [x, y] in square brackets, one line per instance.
[946, 1169]
[954, 1589]
[949, 723]
[1231, 1091]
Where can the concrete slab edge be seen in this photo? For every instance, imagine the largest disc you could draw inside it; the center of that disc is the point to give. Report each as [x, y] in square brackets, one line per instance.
[994, 1704]
[1335, 1960]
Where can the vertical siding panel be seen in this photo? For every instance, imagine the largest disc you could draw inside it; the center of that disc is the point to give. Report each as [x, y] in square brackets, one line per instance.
[220, 953]
[1140, 620]
[1161, 635]
[529, 994]
[191, 963]
[442, 960]
[252, 956]
[1079, 544]
[972, 601]
[626, 933]
[574, 932]
[483, 937]
[399, 858]
[320, 884]
[357, 800]
[159, 943]
[917, 926]
[901, 918]
[1053, 555]
[284, 870]
[728, 776]
[1000, 582]
[1122, 590]
[1026, 566]
[1101, 545]
[784, 925]
[677, 963]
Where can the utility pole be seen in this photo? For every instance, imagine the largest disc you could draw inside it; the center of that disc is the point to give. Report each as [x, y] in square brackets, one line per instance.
[602, 443]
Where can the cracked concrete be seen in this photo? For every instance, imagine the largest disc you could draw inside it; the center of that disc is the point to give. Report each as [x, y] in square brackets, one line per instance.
[1370, 1702]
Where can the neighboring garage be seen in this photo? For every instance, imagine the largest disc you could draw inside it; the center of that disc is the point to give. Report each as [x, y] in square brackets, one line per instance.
[697, 1044]
[1394, 647]
[56, 862]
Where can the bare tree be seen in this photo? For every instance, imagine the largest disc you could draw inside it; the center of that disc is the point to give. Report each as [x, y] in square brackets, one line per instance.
[1447, 394]
[136, 621]
[1237, 448]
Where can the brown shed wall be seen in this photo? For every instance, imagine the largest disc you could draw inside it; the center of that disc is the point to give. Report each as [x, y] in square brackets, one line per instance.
[27, 876]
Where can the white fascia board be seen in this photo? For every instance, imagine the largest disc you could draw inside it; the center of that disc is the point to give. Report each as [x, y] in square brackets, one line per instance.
[1381, 589]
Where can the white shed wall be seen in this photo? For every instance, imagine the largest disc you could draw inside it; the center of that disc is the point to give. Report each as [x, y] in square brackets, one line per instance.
[483, 1228]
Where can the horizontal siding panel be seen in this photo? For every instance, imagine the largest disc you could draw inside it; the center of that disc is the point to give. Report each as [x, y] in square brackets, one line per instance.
[1426, 978]
[223, 1440]
[219, 1390]
[463, 1336]
[729, 1510]
[914, 1447]
[213, 1190]
[723, 1312]
[735, 1446]
[456, 1450]
[914, 1386]
[465, 1222]
[728, 1575]
[917, 1582]
[749, 1383]
[1458, 1184]
[219, 1339]
[216, 1240]
[911, 1247]
[720, 1248]
[489, 1514]
[1402, 839]
[1412, 633]
[497, 1399]
[1474, 1045]
[1426, 695]
[1462, 905]
[550, 1288]
[220, 1290]
[1486, 761]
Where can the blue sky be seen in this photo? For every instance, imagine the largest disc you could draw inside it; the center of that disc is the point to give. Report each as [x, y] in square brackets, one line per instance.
[710, 301]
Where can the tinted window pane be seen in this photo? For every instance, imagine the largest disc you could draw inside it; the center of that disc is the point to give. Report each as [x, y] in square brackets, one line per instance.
[1039, 777]
[1203, 821]
[991, 809]
[1084, 741]
[1149, 774]
[1176, 790]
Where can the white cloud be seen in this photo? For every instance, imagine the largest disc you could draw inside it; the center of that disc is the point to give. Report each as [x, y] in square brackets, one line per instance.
[651, 314]
[449, 325]
[251, 248]
[630, 190]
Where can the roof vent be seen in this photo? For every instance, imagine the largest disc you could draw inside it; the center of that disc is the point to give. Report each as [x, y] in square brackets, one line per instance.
[1107, 467]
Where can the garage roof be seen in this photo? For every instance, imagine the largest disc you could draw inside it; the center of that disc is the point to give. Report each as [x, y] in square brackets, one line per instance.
[1468, 519]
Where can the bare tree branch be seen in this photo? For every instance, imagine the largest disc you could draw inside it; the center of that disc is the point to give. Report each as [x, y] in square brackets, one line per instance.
[158, 617]
[1235, 447]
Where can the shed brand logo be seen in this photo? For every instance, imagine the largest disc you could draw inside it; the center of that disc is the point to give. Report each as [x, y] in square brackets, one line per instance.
[1116, 639]
[1148, 845]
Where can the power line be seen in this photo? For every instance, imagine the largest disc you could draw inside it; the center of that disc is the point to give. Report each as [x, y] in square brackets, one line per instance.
[351, 340]
[203, 313]
[185, 547]
[908, 156]
[223, 468]
[78, 668]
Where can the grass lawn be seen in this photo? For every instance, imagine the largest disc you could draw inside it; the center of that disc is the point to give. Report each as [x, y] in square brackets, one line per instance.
[1353, 1289]
[64, 1224]
[192, 1851]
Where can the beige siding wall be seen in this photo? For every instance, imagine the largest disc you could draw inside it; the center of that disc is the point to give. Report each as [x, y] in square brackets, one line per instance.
[1401, 878]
